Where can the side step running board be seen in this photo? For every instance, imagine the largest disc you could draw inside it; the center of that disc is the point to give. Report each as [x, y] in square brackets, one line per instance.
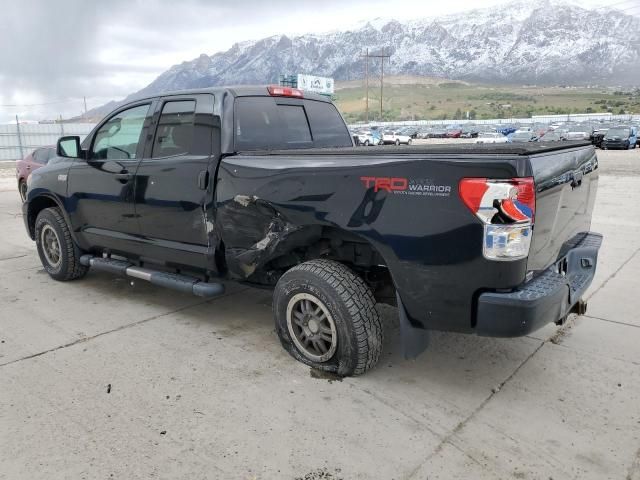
[182, 283]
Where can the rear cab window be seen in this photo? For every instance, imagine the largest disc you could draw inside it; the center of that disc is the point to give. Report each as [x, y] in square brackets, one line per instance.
[174, 135]
[276, 123]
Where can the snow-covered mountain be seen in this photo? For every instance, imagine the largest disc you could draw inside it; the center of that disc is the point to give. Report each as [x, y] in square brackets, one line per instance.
[542, 42]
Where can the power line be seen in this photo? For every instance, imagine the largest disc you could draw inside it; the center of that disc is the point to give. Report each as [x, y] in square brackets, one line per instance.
[23, 105]
[605, 7]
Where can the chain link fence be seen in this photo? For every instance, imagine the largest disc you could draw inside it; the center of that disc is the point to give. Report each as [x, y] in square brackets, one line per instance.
[20, 139]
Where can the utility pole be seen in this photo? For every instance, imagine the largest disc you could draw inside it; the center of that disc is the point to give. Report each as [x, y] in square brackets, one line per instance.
[381, 56]
[366, 76]
[381, 81]
[85, 106]
[19, 138]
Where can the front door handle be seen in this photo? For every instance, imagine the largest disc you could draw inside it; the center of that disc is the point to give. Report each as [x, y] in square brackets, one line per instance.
[124, 177]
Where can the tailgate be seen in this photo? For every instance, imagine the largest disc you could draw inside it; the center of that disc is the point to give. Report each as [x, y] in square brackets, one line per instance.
[566, 183]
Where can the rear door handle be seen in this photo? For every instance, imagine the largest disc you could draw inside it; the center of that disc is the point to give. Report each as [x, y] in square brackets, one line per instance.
[203, 180]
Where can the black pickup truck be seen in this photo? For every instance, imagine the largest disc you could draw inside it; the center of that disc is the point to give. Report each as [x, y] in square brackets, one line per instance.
[264, 186]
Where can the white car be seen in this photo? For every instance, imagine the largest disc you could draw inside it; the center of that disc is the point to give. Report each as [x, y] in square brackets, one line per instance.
[367, 138]
[578, 134]
[491, 137]
[395, 138]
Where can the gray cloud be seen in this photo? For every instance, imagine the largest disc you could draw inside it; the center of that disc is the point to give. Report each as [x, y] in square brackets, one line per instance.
[104, 49]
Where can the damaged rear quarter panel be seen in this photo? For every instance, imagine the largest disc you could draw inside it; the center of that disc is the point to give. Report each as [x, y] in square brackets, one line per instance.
[267, 204]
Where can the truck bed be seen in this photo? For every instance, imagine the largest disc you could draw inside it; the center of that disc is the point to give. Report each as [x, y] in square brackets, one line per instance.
[462, 149]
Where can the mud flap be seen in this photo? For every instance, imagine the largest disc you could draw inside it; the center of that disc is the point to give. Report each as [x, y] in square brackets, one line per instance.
[414, 339]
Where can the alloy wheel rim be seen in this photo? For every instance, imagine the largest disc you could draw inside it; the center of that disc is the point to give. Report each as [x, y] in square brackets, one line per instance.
[312, 327]
[51, 246]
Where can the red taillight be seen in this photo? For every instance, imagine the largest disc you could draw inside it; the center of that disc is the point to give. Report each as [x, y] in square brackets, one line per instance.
[471, 192]
[514, 198]
[276, 91]
[526, 193]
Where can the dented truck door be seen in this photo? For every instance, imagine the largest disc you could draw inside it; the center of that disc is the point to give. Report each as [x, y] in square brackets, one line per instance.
[174, 180]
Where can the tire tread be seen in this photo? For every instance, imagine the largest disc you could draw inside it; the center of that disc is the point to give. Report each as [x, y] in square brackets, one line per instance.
[359, 302]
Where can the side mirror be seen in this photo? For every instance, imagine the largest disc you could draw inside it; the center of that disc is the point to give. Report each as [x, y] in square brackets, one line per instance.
[68, 147]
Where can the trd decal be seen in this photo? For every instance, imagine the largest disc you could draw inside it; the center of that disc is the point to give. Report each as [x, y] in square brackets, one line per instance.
[403, 186]
[390, 184]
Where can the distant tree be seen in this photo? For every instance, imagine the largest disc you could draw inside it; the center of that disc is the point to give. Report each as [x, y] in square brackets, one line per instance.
[472, 115]
[457, 115]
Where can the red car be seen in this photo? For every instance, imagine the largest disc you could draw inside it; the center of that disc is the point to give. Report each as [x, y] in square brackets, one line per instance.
[36, 159]
[454, 133]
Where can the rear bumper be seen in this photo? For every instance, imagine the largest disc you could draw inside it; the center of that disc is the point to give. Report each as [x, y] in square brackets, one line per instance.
[547, 298]
[621, 145]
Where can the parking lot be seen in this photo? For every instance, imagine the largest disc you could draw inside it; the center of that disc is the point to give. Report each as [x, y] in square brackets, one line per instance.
[104, 378]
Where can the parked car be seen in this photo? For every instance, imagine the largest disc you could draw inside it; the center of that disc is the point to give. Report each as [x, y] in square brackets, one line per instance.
[262, 185]
[579, 133]
[368, 138]
[598, 137]
[491, 137]
[395, 138]
[469, 132]
[623, 137]
[506, 130]
[454, 132]
[438, 133]
[36, 159]
[522, 136]
[549, 136]
[410, 131]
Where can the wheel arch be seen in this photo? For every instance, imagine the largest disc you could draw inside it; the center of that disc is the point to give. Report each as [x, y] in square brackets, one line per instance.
[312, 242]
[39, 203]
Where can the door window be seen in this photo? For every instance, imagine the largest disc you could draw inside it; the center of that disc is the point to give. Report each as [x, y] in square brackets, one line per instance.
[118, 138]
[40, 156]
[174, 135]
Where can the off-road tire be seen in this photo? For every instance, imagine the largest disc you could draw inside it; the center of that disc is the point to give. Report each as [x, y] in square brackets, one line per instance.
[352, 306]
[70, 267]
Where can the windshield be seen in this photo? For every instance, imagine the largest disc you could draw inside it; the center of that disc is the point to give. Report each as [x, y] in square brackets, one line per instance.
[618, 132]
[268, 123]
[522, 135]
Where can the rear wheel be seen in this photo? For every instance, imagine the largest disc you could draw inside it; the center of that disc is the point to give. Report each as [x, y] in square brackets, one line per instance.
[397, 142]
[409, 142]
[326, 318]
[366, 143]
[58, 253]
[22, 189]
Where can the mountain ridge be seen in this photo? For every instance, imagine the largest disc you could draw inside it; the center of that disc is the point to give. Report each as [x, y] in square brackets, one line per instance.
[546, 43]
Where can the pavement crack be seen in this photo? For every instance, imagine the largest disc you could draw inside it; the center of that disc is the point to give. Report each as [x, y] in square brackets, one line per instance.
[634, 469]
[447, 438]
[613, 321]
[114, 330]
[610, 277]
[13, 258]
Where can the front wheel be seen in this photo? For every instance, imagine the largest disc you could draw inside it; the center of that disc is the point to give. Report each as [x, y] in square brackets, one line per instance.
[409, 142]
[58, 253]
[326, 318]
[22, 190]
[366, 143]
[397, 142]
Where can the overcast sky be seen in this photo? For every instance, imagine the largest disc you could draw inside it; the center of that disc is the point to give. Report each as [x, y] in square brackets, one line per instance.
[57, 51]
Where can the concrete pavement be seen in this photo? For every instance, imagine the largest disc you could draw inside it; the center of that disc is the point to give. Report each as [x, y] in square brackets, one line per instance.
[101, 378]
